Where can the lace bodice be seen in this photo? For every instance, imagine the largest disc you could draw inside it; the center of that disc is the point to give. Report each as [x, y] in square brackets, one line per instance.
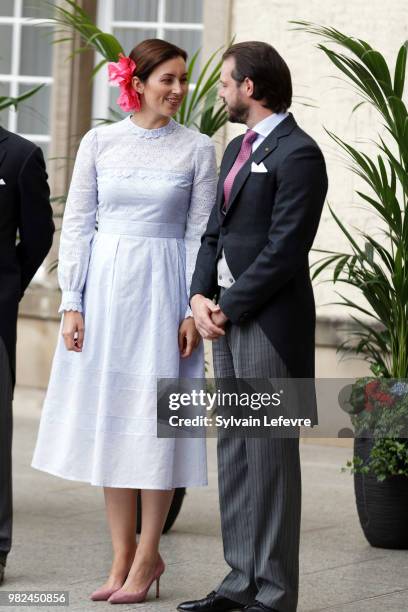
[125, 172]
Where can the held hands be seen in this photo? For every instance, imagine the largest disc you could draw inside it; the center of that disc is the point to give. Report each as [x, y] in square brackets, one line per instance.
[208, 317]
[188, 337]
[73, 331]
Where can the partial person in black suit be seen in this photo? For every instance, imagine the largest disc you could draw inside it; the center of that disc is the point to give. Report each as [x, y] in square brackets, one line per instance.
[26, 231]
[253, 261]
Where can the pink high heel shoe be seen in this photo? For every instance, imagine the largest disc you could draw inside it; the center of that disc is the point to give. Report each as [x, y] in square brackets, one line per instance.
[125, 597]
[103, 594]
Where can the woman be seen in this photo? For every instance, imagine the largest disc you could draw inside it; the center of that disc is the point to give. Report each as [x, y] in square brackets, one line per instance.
[150, 185]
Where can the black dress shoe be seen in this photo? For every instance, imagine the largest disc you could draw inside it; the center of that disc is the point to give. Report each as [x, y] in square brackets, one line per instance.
[257, 606]
[212, 603]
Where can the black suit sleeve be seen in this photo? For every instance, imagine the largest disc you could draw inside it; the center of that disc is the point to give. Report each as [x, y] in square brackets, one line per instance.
[302, 187]
[35, 225]
[204, 279]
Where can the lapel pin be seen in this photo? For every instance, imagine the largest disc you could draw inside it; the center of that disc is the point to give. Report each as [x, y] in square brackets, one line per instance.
[2, 182]
[266, 148]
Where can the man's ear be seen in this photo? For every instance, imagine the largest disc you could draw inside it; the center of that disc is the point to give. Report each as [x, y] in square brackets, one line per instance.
[249, 87]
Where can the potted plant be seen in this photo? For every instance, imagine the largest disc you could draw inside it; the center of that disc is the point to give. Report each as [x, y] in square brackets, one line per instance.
[378, 409]
[378, 268]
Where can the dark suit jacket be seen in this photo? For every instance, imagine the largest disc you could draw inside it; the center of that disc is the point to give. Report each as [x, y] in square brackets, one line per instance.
[267, 233]
[25, 211]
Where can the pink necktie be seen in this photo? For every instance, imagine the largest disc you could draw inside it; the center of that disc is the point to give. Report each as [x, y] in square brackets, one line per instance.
[243, 155]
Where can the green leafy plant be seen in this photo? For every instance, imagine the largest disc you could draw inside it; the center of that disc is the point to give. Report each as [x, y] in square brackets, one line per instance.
[377, 267]
[388, 457]
[378, 408]
[200, 108]
[7, 101]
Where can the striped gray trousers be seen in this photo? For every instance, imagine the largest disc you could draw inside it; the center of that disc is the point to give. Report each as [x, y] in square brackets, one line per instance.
[6, 432]
[259, 487]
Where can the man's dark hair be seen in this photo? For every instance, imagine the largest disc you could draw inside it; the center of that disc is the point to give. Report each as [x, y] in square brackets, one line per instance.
[269, 73]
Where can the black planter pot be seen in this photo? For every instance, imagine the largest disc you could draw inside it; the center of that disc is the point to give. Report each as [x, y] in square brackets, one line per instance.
[382, 506]
[173, 512]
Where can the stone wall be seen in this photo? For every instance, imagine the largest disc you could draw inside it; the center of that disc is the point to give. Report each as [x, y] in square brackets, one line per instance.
[384, 25]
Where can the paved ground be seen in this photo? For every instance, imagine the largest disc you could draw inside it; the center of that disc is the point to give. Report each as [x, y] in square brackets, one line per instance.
[61, 539]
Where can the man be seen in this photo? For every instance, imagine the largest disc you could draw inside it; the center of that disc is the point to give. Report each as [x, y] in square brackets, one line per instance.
[25, 212]
[254, 260]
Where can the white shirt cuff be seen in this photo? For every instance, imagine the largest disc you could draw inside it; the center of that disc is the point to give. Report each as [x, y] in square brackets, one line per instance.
[71, 300]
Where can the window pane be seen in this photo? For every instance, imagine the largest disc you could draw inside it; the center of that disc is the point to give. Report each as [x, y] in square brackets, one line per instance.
[114, 93]
[184, 11]
[5, 49]
[190, 41]
[4, 91]
[113, 96]
[6, 8]
[36, 10]
[129, 37]
[33, 114]
[137, 10]
[36, 51]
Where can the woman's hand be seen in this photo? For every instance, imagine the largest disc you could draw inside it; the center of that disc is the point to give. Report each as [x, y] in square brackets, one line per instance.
[73, 331]
[188, 337]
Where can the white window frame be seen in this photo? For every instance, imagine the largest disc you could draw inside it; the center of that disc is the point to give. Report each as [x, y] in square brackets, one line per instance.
[106, 23]
[14, 78]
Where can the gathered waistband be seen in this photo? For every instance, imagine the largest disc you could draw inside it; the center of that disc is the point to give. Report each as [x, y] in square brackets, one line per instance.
[140, 228]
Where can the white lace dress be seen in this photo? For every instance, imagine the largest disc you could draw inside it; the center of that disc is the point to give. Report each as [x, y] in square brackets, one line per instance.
[150, 193]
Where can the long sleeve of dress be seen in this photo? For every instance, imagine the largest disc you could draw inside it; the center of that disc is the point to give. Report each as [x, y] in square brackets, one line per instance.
[78, 226]
[202, 201]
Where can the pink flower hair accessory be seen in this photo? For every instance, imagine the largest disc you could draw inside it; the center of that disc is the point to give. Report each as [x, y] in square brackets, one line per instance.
[121, 73]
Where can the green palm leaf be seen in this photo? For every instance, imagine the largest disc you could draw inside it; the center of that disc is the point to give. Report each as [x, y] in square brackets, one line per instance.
[378, 268]
[7, 101]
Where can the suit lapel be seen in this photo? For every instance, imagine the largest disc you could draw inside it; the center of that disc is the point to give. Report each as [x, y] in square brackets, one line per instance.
[266, 148]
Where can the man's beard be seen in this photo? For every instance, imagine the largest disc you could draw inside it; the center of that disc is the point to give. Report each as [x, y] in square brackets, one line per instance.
[238, 113]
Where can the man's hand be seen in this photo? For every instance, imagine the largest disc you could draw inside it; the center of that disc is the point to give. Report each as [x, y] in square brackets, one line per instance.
[203, 309]
[219, 318]
[73, 331]
[188, 337]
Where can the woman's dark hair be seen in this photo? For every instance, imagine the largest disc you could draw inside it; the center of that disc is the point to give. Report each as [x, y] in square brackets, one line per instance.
[267, 70]
[152, 52]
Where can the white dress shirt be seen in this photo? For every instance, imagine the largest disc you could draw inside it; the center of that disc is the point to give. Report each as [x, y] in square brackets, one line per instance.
[263, 129]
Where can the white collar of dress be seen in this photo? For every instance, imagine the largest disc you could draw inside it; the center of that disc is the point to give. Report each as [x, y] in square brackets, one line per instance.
[153, 133]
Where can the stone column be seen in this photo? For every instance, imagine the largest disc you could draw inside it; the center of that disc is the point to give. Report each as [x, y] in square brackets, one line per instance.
[217, 33]
[71, 104]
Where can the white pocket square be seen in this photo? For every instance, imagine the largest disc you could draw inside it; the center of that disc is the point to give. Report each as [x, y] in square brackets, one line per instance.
[2, 182]
[258, 167]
